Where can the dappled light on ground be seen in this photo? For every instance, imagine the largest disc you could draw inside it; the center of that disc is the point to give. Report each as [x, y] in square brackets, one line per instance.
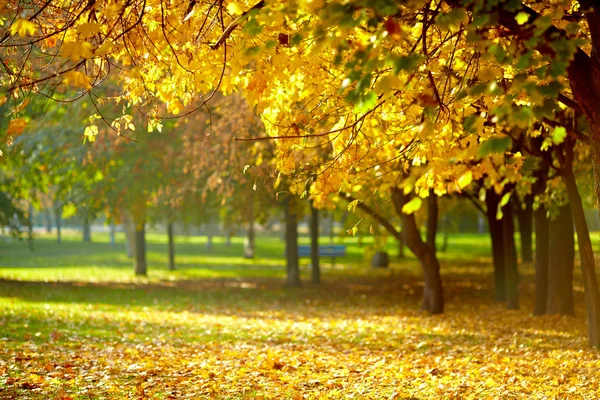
[358, 336]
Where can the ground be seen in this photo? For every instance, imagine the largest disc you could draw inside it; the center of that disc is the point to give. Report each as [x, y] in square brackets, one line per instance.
[75, 323]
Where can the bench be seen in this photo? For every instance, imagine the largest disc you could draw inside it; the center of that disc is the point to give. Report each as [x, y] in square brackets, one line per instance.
[331, 250]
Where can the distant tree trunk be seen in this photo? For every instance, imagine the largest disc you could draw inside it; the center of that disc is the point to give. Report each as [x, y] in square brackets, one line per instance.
[525, 217]
[112, 232]
[510, 258]
[331, 227]
[58, 220]
[228, 238]
[209, 237]
[562, 264]
[249, 241]
[87, 229]
[48, 217]
[129, 228]
[30, 220]
[432, 219]
[496, 233]
[542, 259]
[141, 268]
[171, 246]
[433, 294]
[291, 244]
[586, 253]
[314, 245]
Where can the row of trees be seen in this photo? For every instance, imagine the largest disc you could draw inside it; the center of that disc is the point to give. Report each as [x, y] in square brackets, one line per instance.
[384, 103]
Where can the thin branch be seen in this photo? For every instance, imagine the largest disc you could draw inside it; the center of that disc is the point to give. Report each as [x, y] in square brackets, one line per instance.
[374, 215]
[573, 133]
[237, 22]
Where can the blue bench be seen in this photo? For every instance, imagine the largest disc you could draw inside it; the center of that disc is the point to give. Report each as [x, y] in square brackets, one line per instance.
[331, 250]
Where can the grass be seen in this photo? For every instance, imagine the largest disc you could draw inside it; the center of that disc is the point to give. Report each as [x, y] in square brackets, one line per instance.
[75, 323]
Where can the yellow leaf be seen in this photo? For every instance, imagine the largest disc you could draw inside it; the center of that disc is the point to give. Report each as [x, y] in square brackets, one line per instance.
[465, 180]
[412, 205]
[234, 8]
[16, 127]
[352, 205]
[77, 79]
[88, 29]
[76, 50]
[90, 133]
[22, 27]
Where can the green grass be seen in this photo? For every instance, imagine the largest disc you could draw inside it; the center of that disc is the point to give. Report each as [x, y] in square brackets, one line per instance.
[75, 260]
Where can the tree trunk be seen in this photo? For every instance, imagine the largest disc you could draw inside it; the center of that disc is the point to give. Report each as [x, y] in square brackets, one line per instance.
[113, 232]
[141, 268]
[510, 258]
[562, 264]
[542, 259]
[586, 254]
[433, 294]
[129, 228]
[48, 217]
[314, 245]
[496, 233]
[58, 220]
[87, 229]
[209, 241]
[291, 244]
[228, 238]
[432, 219]
[525, 217]
[249, 241]
[171, 246]
[401, 255]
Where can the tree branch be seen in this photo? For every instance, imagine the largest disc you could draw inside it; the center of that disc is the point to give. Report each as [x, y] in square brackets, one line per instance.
[237, 22]
[573, 133]
[374, 215]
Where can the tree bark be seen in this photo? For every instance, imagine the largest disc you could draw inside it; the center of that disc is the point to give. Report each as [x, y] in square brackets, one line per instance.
[314, 245]
[291, 244]
[525, 217]
[586, 253]
[433, 294]
[497, 236]
[542, 259]
[510, 258]
[562, 264]
[171, 246]
[141, 268]
[432, 219]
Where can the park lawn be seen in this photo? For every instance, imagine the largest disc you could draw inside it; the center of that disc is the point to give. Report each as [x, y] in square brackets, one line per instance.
[75, 324]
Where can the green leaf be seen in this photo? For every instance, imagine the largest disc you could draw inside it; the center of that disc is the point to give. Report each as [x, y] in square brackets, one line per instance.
[412, 205]
[559, 134]
[366, 102]
[522, 18]
[495, 145]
